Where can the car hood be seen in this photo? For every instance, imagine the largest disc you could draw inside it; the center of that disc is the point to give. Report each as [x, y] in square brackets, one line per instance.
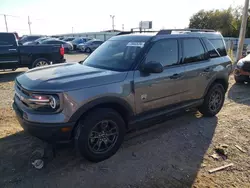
[67, 76]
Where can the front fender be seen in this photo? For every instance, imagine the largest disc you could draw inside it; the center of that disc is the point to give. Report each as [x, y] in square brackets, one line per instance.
[101, 101]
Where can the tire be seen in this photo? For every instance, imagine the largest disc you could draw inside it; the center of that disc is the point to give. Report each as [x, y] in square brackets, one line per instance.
[210, 106]
[40, 62]
[13, 69]
[241, 79]
[91, 134]
[88, 50]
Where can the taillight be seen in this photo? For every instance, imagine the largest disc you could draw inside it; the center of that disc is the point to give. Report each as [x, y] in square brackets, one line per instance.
[62, 50]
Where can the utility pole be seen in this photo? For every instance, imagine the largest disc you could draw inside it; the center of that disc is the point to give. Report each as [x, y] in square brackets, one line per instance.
[72, 30]
[242, 30]
[29, 23]
[113, 22]
[5, 20]
[123, 27]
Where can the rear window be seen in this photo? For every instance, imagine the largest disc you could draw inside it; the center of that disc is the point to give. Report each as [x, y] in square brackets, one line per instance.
[219, 46]
[7, 39]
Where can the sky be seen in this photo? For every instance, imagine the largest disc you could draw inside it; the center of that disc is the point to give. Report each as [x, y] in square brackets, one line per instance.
[60, 16]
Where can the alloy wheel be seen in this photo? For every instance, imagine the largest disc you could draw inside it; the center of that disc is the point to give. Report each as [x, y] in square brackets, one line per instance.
[103, 136]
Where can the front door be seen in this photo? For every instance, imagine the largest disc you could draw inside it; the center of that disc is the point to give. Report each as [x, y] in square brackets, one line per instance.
[157, 90]
[8, 51]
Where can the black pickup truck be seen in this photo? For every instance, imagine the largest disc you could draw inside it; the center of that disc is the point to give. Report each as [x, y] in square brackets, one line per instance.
[13, 55]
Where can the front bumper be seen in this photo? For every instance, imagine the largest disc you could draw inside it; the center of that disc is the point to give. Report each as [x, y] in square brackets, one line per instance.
[50, 132]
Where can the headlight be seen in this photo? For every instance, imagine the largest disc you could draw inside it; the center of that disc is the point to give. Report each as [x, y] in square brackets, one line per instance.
[240, 64]
[44, 103]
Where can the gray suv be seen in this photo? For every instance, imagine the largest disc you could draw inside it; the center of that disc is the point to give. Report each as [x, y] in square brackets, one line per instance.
[130, 80]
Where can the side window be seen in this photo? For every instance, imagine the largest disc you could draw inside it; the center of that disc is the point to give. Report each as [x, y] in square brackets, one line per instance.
[212, 52]
[219, 45]
[164, 52]
[193, 50]
[7, 39]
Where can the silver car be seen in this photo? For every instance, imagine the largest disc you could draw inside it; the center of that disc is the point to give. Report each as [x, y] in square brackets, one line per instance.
[67, 45]
[89, 46]
[129, 81]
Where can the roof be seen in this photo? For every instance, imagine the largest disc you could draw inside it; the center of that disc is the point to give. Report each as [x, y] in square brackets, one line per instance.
[170, 33]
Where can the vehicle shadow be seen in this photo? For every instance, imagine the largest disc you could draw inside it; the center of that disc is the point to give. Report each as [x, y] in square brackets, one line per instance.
[8, 76]
[165, 155]
[239, 93]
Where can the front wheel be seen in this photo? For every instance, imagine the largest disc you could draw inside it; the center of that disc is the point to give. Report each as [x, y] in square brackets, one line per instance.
[100, 134]
[213, 100]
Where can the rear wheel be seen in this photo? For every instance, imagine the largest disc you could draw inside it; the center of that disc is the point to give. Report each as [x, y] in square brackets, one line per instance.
[40, 63]
[100, 134]
[88, 50]
[213, 100]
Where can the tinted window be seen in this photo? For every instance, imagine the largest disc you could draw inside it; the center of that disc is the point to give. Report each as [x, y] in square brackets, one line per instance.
[219, 45]
[193, 50]
[212, 52]
[97, 42]
[164, 52]
[51, 42]
[7, 39]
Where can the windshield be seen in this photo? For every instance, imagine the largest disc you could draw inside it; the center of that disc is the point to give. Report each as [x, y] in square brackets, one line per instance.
[114, 55]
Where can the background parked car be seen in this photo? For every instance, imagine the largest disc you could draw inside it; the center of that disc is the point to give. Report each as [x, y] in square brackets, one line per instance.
[90, 46]
[29, 38]
[67, 46]
[68, 39]
[37, 41]
[79, 40]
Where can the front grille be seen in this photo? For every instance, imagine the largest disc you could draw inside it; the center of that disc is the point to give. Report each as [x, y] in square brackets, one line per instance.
[246, 67]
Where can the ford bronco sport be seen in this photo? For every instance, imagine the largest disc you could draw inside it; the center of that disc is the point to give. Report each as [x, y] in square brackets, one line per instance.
[129, 80]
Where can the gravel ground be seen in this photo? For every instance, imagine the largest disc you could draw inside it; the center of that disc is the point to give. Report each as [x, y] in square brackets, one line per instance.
[176, 153]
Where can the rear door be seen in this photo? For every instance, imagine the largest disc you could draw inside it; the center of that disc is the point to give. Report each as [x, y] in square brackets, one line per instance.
[9, 56]
[158, 90]
[198, 67]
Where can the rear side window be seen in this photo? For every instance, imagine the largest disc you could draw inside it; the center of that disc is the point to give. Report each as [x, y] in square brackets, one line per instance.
[164, 52]
[219, 46]
[193, 50]
[7, 39]
[212, 52]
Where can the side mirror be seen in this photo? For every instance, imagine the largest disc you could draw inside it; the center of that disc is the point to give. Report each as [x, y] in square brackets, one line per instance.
[152, 67]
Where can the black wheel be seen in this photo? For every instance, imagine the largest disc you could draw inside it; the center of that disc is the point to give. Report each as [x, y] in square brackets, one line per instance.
[88, 50]
[241, 79]
[13, 69]
[40, 63]
[213, 100]
[100, 134]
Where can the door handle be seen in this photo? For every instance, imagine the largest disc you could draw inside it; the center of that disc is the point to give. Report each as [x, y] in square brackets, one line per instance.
[209, 69]
[14, 50]
[175, 76]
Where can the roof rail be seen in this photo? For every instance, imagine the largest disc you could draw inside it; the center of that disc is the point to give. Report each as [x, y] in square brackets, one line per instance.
[169, 31]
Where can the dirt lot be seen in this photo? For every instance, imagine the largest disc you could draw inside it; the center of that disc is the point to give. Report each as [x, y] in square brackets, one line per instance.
[176, 153]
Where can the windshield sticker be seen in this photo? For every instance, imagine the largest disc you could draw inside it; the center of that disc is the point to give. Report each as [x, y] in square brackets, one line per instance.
[136, 44]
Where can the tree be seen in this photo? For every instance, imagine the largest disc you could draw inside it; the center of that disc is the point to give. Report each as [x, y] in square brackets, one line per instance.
[226, 21]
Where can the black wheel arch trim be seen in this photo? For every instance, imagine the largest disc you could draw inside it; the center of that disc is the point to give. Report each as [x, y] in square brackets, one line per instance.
[101, 101]
[217, 79]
